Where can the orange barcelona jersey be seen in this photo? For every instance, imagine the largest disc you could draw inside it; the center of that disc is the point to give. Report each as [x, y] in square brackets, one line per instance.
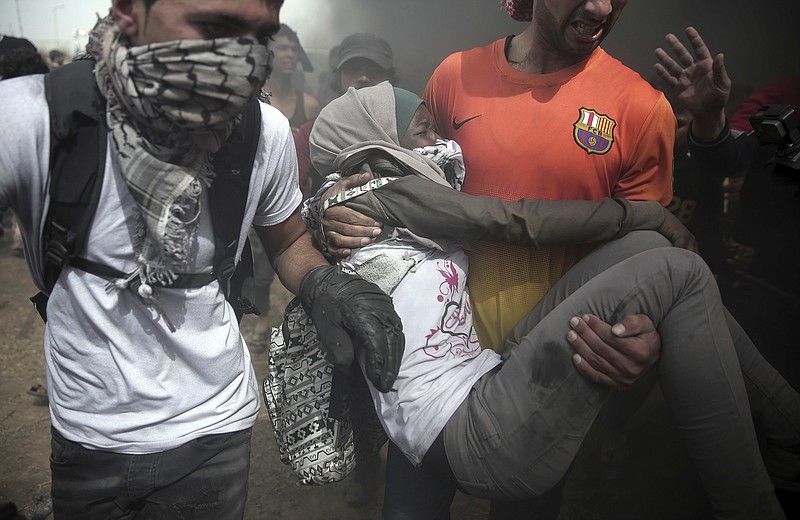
[593, 130]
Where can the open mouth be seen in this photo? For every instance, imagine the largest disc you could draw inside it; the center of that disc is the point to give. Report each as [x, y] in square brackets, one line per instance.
[588, 32]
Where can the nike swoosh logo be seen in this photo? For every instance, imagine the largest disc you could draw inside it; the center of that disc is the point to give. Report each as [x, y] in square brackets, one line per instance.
[459, 124]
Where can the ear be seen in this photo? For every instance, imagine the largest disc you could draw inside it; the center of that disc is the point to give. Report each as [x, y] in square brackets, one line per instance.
[125, 14]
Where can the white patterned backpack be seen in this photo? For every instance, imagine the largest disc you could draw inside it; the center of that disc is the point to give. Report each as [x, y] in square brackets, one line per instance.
[319, 448]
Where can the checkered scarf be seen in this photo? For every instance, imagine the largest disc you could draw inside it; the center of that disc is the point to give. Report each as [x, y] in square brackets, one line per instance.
[521, 10]
[170, 105]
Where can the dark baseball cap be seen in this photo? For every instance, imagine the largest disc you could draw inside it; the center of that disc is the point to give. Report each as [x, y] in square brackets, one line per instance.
[366, 45]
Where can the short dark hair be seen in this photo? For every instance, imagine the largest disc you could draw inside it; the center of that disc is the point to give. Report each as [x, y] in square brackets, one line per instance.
[22, 61]
[289, 33]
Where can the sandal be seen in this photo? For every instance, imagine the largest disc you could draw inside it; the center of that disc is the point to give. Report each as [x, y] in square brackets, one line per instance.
[42, 506]
[39, 391]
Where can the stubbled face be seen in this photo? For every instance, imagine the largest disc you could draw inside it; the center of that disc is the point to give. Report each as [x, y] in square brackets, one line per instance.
[168, 20]
[572, 29]
[286, 54]
[361, 72]
[422, 130]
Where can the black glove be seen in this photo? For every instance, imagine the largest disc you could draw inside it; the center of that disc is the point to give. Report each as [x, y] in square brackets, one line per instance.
[350, 312]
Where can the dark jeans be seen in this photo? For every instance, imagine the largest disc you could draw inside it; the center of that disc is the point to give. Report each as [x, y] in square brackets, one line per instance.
[423, 493]
[426, 492]
[204, 479]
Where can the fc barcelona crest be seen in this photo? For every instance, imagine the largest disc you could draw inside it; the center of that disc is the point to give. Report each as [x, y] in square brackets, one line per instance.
[594, 132]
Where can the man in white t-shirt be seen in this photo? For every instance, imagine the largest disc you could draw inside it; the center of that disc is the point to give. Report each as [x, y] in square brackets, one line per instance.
[152, 391]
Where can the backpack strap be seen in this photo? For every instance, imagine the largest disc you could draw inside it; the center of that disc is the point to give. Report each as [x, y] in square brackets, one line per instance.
[233, 167]
[77, 164]
[78, 136]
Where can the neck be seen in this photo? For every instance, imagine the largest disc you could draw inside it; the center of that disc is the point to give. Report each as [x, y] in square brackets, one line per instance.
[280, 84]
[530, 53]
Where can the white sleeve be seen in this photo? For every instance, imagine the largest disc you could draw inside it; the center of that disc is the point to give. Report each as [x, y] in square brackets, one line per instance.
[275, 170]
[274, 186]
[24, 160]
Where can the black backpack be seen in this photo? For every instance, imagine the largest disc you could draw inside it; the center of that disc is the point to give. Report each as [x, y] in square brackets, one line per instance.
[78, 137]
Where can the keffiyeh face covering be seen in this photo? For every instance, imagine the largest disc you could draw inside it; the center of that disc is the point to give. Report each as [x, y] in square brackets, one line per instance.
[170, 104]
[447, 156]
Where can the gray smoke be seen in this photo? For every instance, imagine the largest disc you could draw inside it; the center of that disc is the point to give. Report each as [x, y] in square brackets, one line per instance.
[759, 39]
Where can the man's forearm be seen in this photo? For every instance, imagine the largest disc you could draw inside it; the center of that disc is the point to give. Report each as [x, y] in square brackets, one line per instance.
[727, 155]
[291, 250]
[708, 129]
[296, 261]
[436, 211]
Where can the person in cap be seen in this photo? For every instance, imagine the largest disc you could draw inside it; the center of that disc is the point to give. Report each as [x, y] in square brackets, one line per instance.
[298, 106]
[509, 428]
[363, 59]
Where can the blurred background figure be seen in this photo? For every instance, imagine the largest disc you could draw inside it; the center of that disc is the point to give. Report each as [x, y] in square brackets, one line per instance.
[57, 58]
[697, 198]
[328, 89]
[764, 294]
[363, 60]
[18, 57]
[298, 106]
[765, 145]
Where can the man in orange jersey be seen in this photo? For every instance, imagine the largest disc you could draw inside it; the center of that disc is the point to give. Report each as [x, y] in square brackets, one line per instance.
[549, 114]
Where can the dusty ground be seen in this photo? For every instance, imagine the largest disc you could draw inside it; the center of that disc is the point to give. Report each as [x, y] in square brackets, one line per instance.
[644, 475]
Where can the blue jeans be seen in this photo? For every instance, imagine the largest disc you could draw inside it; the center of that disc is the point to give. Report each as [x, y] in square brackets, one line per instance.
[204, 479]
[521, 426]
